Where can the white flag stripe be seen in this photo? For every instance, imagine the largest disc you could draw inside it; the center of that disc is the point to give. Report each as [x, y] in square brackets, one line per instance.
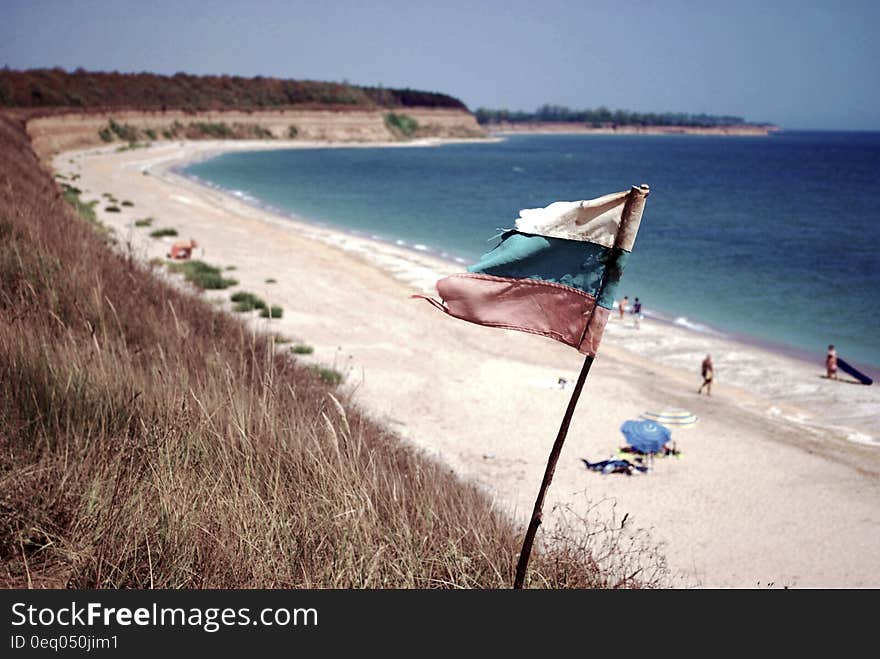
[592, 220]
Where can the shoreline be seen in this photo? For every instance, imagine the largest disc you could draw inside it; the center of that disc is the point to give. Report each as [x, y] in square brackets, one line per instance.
[695, 325]
[445, 385]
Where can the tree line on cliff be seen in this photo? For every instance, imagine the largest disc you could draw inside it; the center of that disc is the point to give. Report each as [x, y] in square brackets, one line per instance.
[602, 116]
[86, 89]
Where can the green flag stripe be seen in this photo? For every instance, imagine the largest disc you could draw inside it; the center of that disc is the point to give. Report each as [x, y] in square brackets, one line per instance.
[591, 268]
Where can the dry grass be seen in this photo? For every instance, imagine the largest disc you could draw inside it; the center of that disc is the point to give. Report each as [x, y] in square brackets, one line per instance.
[150, 440]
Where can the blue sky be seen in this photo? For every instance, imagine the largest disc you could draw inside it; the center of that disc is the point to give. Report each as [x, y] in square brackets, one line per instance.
[798, 64]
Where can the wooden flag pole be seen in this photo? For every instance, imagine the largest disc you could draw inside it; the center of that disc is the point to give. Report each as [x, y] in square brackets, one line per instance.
[538, 512]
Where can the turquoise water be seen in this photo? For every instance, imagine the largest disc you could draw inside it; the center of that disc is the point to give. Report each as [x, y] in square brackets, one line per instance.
[775, 238]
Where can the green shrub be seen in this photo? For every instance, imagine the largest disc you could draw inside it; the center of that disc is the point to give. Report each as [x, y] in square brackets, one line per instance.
[131, 146]
[161, 233]
[272, 312]
[246, 302]
[127, 203]
[328, 375]
[270, 280]
[105, 134]
[280, 338]
[292, 132]
[124, 131]
[401, 125]
[302, 349]
[149, 132]
[86, 210]
[231, 267]
[218, 130]
[113, 209]
[261, 132]
[202, 275]
[145, 222]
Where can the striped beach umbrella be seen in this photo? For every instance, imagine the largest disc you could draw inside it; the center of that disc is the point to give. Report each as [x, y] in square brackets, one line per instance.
[672, 417]
[645, 436]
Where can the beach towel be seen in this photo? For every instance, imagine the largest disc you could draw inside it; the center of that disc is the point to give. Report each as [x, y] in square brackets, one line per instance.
[619, 466]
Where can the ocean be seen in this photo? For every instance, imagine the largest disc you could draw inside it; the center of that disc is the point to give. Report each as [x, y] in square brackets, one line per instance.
[770, 239]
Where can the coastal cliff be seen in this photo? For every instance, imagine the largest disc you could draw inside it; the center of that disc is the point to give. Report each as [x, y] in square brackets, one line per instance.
[65, 131]
[71, 110]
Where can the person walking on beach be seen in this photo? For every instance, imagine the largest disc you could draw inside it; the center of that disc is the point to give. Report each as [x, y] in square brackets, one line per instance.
[622, 306]
[707, 370]
[831, 363]
[637, 312]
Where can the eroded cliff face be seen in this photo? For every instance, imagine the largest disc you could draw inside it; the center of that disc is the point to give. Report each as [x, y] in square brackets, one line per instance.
[75, 130]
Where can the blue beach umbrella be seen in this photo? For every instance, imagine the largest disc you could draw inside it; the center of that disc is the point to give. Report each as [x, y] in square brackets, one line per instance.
[644, 435]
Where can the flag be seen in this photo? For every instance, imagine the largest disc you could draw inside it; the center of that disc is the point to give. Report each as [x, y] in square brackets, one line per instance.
[555, 274]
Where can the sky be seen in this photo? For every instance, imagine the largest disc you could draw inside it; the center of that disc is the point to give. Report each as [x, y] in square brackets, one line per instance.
[799, 64]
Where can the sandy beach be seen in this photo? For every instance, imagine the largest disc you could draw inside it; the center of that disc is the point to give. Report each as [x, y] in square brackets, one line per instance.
[778, 483]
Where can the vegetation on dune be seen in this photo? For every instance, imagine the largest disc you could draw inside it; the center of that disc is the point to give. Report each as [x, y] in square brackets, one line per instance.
[401, 125]
[131, 146]
[194, 130]
[302, 349]
[245, 302]
[150, 440]
[271, 312]
[86, 210]
[602, 116]
[144, 222]
[201, 275]
[328, 375]
[124, 132]
[163, 233]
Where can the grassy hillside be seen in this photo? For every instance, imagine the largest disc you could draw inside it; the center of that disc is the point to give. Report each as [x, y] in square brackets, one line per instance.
[147, 91]
[149, 440]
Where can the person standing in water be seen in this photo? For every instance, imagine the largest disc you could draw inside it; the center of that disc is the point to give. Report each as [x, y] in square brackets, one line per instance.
[707, 370]
[637, 313]
[622, 306]
[831, 363]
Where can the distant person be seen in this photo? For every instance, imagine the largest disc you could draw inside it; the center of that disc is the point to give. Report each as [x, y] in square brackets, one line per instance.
[831, 363]
[707, 370]
[637, 312]
[622, 306]
[182, 249]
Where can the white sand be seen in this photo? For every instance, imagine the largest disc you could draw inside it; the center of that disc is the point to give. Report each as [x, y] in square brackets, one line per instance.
[778, 481]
